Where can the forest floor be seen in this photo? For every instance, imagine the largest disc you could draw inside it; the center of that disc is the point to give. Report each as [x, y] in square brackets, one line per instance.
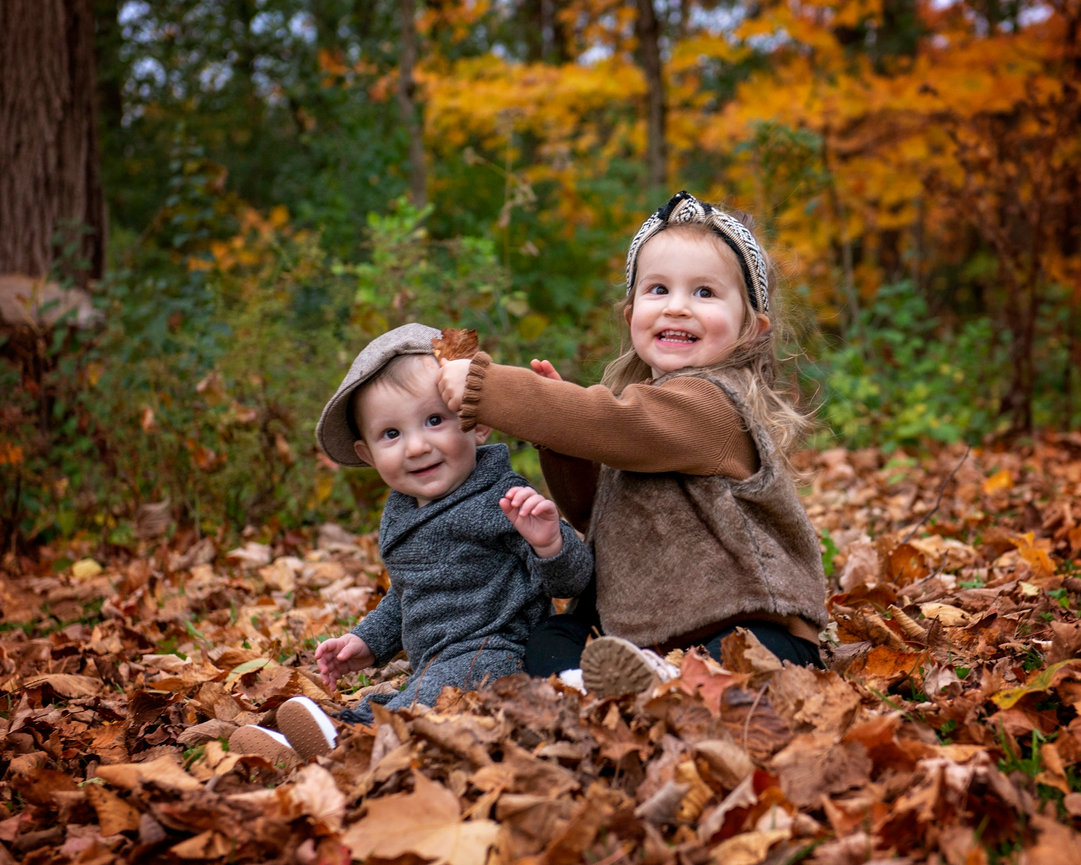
[946, 729]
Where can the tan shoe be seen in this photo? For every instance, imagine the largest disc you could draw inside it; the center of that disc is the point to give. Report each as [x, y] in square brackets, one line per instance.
[269, 744]
[612, 666]
[307, 727]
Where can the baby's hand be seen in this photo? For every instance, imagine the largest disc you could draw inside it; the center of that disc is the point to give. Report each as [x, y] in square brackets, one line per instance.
[340, 655]
[544, 369]
[536, 519]
[451, 382]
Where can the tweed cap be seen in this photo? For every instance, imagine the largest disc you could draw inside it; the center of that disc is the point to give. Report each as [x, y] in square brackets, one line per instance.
[685, 208]
[335, 430]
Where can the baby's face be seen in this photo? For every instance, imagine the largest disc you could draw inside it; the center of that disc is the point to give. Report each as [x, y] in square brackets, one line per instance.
[412, 439]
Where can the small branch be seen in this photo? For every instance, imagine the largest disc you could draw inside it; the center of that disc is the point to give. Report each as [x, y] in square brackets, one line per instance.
[938, 501]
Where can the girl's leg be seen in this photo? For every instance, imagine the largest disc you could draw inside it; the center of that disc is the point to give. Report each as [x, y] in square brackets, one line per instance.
[785, 645]
[556, 643]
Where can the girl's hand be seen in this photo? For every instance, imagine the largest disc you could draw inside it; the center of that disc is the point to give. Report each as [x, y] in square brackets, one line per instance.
[544, 369]
[340, 655]
[536, 519]
[451, 382]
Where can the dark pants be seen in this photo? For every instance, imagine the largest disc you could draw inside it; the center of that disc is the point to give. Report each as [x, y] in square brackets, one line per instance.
[557, 642]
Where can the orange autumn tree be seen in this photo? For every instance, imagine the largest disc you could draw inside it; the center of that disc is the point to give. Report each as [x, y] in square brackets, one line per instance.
[965, 143]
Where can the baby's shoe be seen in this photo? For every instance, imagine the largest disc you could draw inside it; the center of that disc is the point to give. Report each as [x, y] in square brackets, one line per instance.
[307, 727]
[573, 679]
[612, 666]
[270, 744]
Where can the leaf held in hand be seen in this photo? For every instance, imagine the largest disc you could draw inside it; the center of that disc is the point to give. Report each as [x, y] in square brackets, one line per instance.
[456, 343]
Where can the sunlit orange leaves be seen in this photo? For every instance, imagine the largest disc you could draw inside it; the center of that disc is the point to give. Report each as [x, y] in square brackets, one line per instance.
[10, 453]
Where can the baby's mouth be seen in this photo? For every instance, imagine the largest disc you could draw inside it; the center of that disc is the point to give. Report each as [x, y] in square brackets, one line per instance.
[425, 469]
[677, 336]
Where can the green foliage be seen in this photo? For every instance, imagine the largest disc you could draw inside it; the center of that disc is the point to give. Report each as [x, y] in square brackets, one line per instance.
[903, 378]
[204, 389]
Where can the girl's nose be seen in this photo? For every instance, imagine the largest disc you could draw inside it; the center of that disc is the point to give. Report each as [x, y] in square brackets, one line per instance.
[677, 303]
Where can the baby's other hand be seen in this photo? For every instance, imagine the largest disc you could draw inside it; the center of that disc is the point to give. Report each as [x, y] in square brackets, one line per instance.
[536, 519]
[451, 382]
[340, 655]
[544, 369]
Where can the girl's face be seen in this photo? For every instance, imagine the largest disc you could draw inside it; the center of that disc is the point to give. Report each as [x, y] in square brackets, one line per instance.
[689, 302]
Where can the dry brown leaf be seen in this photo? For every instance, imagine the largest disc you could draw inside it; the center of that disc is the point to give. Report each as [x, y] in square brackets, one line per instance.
[456, 343]
[749, 848]
[816, 764]
[425, 823]
[723, 763]
[313, 790]
[206, 845]
[114, 814]
[164, 772]
[66, 684]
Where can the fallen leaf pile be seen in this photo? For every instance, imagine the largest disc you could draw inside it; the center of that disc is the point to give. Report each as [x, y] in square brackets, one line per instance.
[945, 729]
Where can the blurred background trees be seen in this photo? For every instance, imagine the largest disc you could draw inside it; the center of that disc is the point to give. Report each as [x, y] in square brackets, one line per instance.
[285, 178]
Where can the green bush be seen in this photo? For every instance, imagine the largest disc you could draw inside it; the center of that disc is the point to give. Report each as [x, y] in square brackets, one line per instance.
[903, 378]
[219, 353]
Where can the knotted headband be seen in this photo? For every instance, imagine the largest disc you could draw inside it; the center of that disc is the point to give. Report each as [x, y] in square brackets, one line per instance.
[685, 208]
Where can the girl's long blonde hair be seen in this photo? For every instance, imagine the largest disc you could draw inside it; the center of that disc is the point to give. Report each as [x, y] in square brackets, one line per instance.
[752, 361]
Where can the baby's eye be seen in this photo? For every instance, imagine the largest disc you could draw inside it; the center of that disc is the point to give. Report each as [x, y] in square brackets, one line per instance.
[703, 291]
[657, 289]
[434, 420]
[390, 434]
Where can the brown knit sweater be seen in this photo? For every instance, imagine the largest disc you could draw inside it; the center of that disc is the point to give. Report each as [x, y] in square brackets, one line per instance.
[693, 518]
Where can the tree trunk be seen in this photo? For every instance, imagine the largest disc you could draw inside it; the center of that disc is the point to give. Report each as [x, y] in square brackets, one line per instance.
[407, 105]
[647, 30]
[51, 208]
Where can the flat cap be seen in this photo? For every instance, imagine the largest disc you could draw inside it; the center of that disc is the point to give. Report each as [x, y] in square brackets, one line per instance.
[334, 431]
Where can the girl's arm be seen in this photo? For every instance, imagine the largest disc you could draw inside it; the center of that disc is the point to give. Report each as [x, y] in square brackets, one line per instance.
[686, 425]
[573, 484]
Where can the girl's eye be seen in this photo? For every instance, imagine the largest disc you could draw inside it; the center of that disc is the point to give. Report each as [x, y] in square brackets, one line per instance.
[434, 420]
[657, 289]
[703, 291]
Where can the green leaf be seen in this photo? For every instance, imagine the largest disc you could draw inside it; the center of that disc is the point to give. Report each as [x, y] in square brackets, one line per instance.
[1039, 683]
[245, 668]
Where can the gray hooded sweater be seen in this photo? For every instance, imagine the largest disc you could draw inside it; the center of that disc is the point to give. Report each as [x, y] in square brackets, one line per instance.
[466, 589]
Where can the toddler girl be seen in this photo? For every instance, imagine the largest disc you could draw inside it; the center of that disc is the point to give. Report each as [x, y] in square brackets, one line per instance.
[675, 466]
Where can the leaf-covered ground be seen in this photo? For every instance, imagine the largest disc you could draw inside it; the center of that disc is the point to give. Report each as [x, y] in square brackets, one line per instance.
[946, 729]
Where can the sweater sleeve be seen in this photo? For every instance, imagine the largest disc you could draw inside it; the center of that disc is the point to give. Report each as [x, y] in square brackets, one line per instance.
[572, 483]
[568, 572]
[381, 629]
[687, 424]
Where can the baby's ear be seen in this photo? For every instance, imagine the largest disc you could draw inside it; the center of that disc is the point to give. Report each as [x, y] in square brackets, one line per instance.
[482, 432]
[363, 451]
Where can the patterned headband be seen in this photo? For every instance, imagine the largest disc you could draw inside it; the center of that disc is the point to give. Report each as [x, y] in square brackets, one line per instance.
[685, 208]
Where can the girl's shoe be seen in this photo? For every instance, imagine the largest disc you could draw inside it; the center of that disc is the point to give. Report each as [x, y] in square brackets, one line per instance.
[612, 666]
[269, 744]
[307, 727]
